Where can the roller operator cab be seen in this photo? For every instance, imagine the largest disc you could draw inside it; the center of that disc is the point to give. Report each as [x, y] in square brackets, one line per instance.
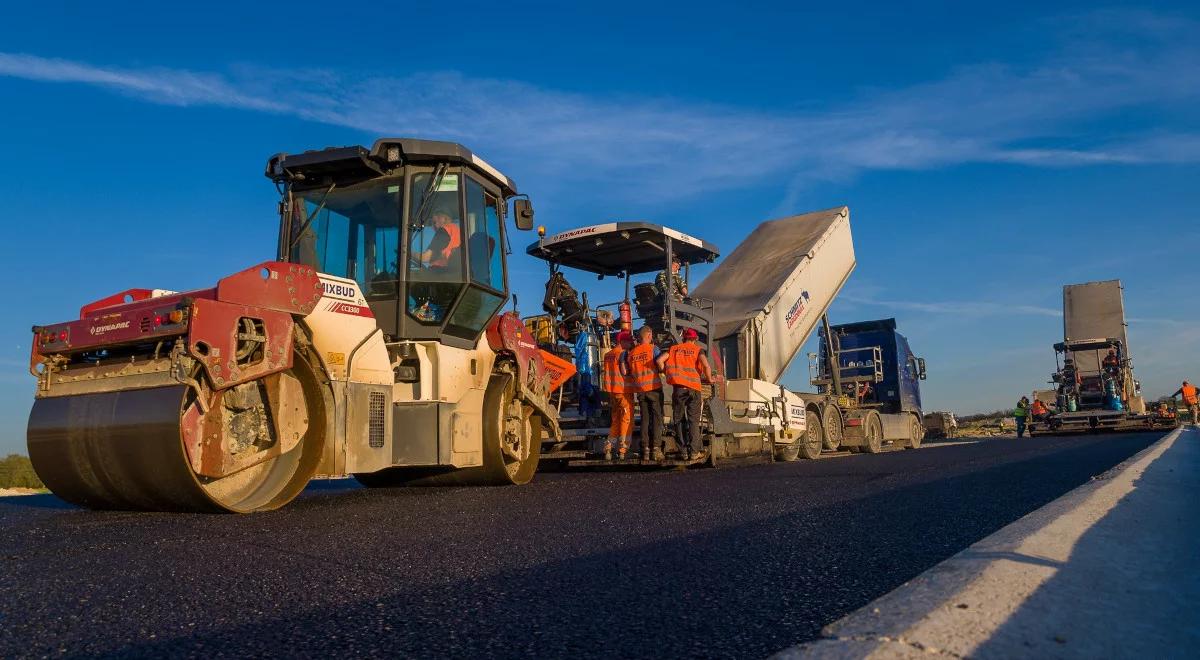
[375, 345]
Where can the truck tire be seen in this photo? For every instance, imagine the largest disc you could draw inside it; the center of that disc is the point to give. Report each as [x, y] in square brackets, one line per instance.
[872, 434]
[916, 432]
[831, 420]
[813, 439]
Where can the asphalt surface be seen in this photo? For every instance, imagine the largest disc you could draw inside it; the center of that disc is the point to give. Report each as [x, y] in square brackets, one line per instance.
[736, 562]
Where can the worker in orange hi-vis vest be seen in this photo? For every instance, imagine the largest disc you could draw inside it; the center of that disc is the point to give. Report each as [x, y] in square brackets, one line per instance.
[642, 372]
[686, 367]
[1191, 399]
[620, 397]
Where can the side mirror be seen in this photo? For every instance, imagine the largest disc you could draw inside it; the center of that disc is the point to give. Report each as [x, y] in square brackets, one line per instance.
[523, 214]
[921, 368]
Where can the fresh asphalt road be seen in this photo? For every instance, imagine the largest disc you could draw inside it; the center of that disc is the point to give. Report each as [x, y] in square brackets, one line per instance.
[737, 562]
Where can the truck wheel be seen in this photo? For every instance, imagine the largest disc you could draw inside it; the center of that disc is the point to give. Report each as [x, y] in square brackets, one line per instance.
[916, 433]
[814, 435]
[872, 434]
[831, 420]
[785, 453]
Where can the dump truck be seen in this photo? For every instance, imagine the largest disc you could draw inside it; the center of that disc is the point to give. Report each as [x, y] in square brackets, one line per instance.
[1095, 388]
[373, 345]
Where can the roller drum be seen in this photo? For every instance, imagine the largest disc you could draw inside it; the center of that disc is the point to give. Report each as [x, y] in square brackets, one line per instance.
[124, 450]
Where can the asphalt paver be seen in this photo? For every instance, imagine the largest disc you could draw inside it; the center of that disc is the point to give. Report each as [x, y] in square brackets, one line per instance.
[736, 562]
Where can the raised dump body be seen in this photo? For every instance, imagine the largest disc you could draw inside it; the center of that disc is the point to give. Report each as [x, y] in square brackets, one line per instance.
[772, 290]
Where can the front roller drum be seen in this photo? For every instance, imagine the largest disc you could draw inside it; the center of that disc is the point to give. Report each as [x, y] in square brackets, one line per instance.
[125, 450]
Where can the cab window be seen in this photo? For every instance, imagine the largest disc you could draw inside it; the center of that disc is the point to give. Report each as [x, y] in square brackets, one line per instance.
[435, 241]
[484, 249]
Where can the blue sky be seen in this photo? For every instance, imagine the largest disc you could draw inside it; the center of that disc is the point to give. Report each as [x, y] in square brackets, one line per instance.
[988, 155]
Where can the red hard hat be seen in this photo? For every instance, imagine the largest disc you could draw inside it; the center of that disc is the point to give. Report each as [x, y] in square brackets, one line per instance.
[624, 335]
[689, 333]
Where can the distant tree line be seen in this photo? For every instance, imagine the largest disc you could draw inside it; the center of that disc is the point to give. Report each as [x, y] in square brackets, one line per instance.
[982, 416]
[17, 472]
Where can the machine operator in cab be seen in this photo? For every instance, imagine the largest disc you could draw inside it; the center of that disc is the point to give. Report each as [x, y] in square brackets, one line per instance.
[1111, 363]
[641, 368]
[447, 239]
[676, 288]
[620, 397]
[686, 367]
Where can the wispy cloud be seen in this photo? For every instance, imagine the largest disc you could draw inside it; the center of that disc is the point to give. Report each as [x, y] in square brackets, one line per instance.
[988, 112]
[961, 309]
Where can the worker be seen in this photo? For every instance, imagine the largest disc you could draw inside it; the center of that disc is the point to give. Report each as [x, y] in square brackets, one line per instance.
[447, 239]
[686, 368]
[620, 397]
[677, 287]
[1190, 399]
[1039, 410]
[1111, 363]
[1069, 374]
[1020, 413]
[641, 369]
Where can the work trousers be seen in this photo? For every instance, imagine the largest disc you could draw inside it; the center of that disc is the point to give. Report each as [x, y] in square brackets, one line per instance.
[621, 407]
[652, 418]
[1195, 410]
[687, 403]
[1020, 426]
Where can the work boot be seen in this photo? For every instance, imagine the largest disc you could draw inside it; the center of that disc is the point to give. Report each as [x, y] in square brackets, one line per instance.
[608, 451]
[622, 449]
[658, 455]
[697, 455]
[647, 455]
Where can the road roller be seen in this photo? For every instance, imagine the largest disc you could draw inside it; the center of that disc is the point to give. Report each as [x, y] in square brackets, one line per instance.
[375, 344]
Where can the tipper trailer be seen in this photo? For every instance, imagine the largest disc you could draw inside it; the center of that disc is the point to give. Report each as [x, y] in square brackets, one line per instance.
[770, 294]
[373, 345]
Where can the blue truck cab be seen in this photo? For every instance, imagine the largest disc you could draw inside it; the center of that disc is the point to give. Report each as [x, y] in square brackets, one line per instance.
[876, 361]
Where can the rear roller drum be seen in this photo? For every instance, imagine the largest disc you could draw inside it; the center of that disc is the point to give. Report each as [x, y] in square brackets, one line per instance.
[127, 450]
[512, 442]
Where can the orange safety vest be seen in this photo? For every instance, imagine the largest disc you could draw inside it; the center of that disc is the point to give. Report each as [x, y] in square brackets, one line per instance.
[614, 381]
[1039, 408]
[643, 373]
[683, 365]
[455, 235]
[1189, 394]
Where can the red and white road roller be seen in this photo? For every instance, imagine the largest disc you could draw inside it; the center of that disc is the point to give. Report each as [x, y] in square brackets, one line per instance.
[374, 345]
